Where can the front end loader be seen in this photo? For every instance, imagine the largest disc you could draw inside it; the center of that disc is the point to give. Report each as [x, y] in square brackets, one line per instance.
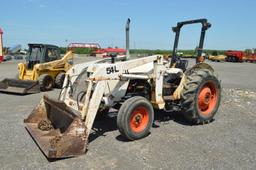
[136, 87]
[44, 69]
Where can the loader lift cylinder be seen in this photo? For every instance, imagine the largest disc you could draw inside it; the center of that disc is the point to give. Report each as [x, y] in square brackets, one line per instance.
[205, 26]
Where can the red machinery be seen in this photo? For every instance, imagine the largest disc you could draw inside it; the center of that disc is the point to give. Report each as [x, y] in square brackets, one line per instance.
[93, 46]
[240, 56]
[1, 45]
[84, 45]
[105, 52]
[250, 56]
[234, 56]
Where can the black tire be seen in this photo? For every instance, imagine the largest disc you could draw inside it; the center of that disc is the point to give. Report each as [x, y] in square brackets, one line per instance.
[235, 60]
[59, 80]
[201, 96]
[45, 82]
[135, 118]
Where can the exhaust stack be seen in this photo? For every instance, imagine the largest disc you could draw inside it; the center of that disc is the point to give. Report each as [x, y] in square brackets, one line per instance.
[127, 32]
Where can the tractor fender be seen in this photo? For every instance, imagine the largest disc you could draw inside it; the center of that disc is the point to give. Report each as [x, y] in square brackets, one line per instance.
[177, 93]
[199, 66]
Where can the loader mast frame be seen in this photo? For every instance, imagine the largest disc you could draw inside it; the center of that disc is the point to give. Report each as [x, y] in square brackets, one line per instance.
[205, 26]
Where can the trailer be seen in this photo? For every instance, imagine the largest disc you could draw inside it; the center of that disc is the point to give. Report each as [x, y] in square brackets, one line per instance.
[234, 56]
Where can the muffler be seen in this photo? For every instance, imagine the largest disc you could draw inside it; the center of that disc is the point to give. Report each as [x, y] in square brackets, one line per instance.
[19, 86]
[58, 131]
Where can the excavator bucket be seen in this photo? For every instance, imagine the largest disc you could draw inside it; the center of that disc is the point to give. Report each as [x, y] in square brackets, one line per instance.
[58, 131]
[19, 86]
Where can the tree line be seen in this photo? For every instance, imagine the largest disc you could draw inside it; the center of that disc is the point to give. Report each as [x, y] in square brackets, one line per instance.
[145, 51]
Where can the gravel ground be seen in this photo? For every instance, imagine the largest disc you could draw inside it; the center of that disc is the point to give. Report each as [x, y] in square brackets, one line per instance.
[229, 142]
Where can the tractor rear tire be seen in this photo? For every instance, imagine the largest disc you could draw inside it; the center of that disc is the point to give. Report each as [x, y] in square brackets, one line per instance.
[59, 80]
[45, 82]
[135, 118]
[201, 96]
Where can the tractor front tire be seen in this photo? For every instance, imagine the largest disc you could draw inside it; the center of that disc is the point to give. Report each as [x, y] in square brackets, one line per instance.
[45, 82]
[201, 96]
[135, 118]
[59, 80]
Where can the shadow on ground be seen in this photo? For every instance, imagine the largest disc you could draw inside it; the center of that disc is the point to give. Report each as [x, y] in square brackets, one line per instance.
[108, 123]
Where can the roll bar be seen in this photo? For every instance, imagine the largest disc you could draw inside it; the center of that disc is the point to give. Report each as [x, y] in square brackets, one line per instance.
[176, 30]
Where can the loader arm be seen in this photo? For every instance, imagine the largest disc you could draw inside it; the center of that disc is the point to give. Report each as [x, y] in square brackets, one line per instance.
[57, 64]
[22, 70]
[116, 75]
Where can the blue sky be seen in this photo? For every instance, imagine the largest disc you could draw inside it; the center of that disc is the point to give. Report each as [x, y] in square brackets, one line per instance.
[102, 21]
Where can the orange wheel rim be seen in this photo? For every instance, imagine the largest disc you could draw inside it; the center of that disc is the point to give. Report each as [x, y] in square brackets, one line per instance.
[139, 119]
[207, 98]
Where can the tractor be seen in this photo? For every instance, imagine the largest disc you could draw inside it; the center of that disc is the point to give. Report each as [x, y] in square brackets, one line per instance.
[135, 87]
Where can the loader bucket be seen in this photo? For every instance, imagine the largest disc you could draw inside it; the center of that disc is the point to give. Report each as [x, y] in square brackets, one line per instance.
[56, 129]
[19, 86]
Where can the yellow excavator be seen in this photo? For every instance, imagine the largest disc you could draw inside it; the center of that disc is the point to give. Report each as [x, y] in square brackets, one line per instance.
[44, 69]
